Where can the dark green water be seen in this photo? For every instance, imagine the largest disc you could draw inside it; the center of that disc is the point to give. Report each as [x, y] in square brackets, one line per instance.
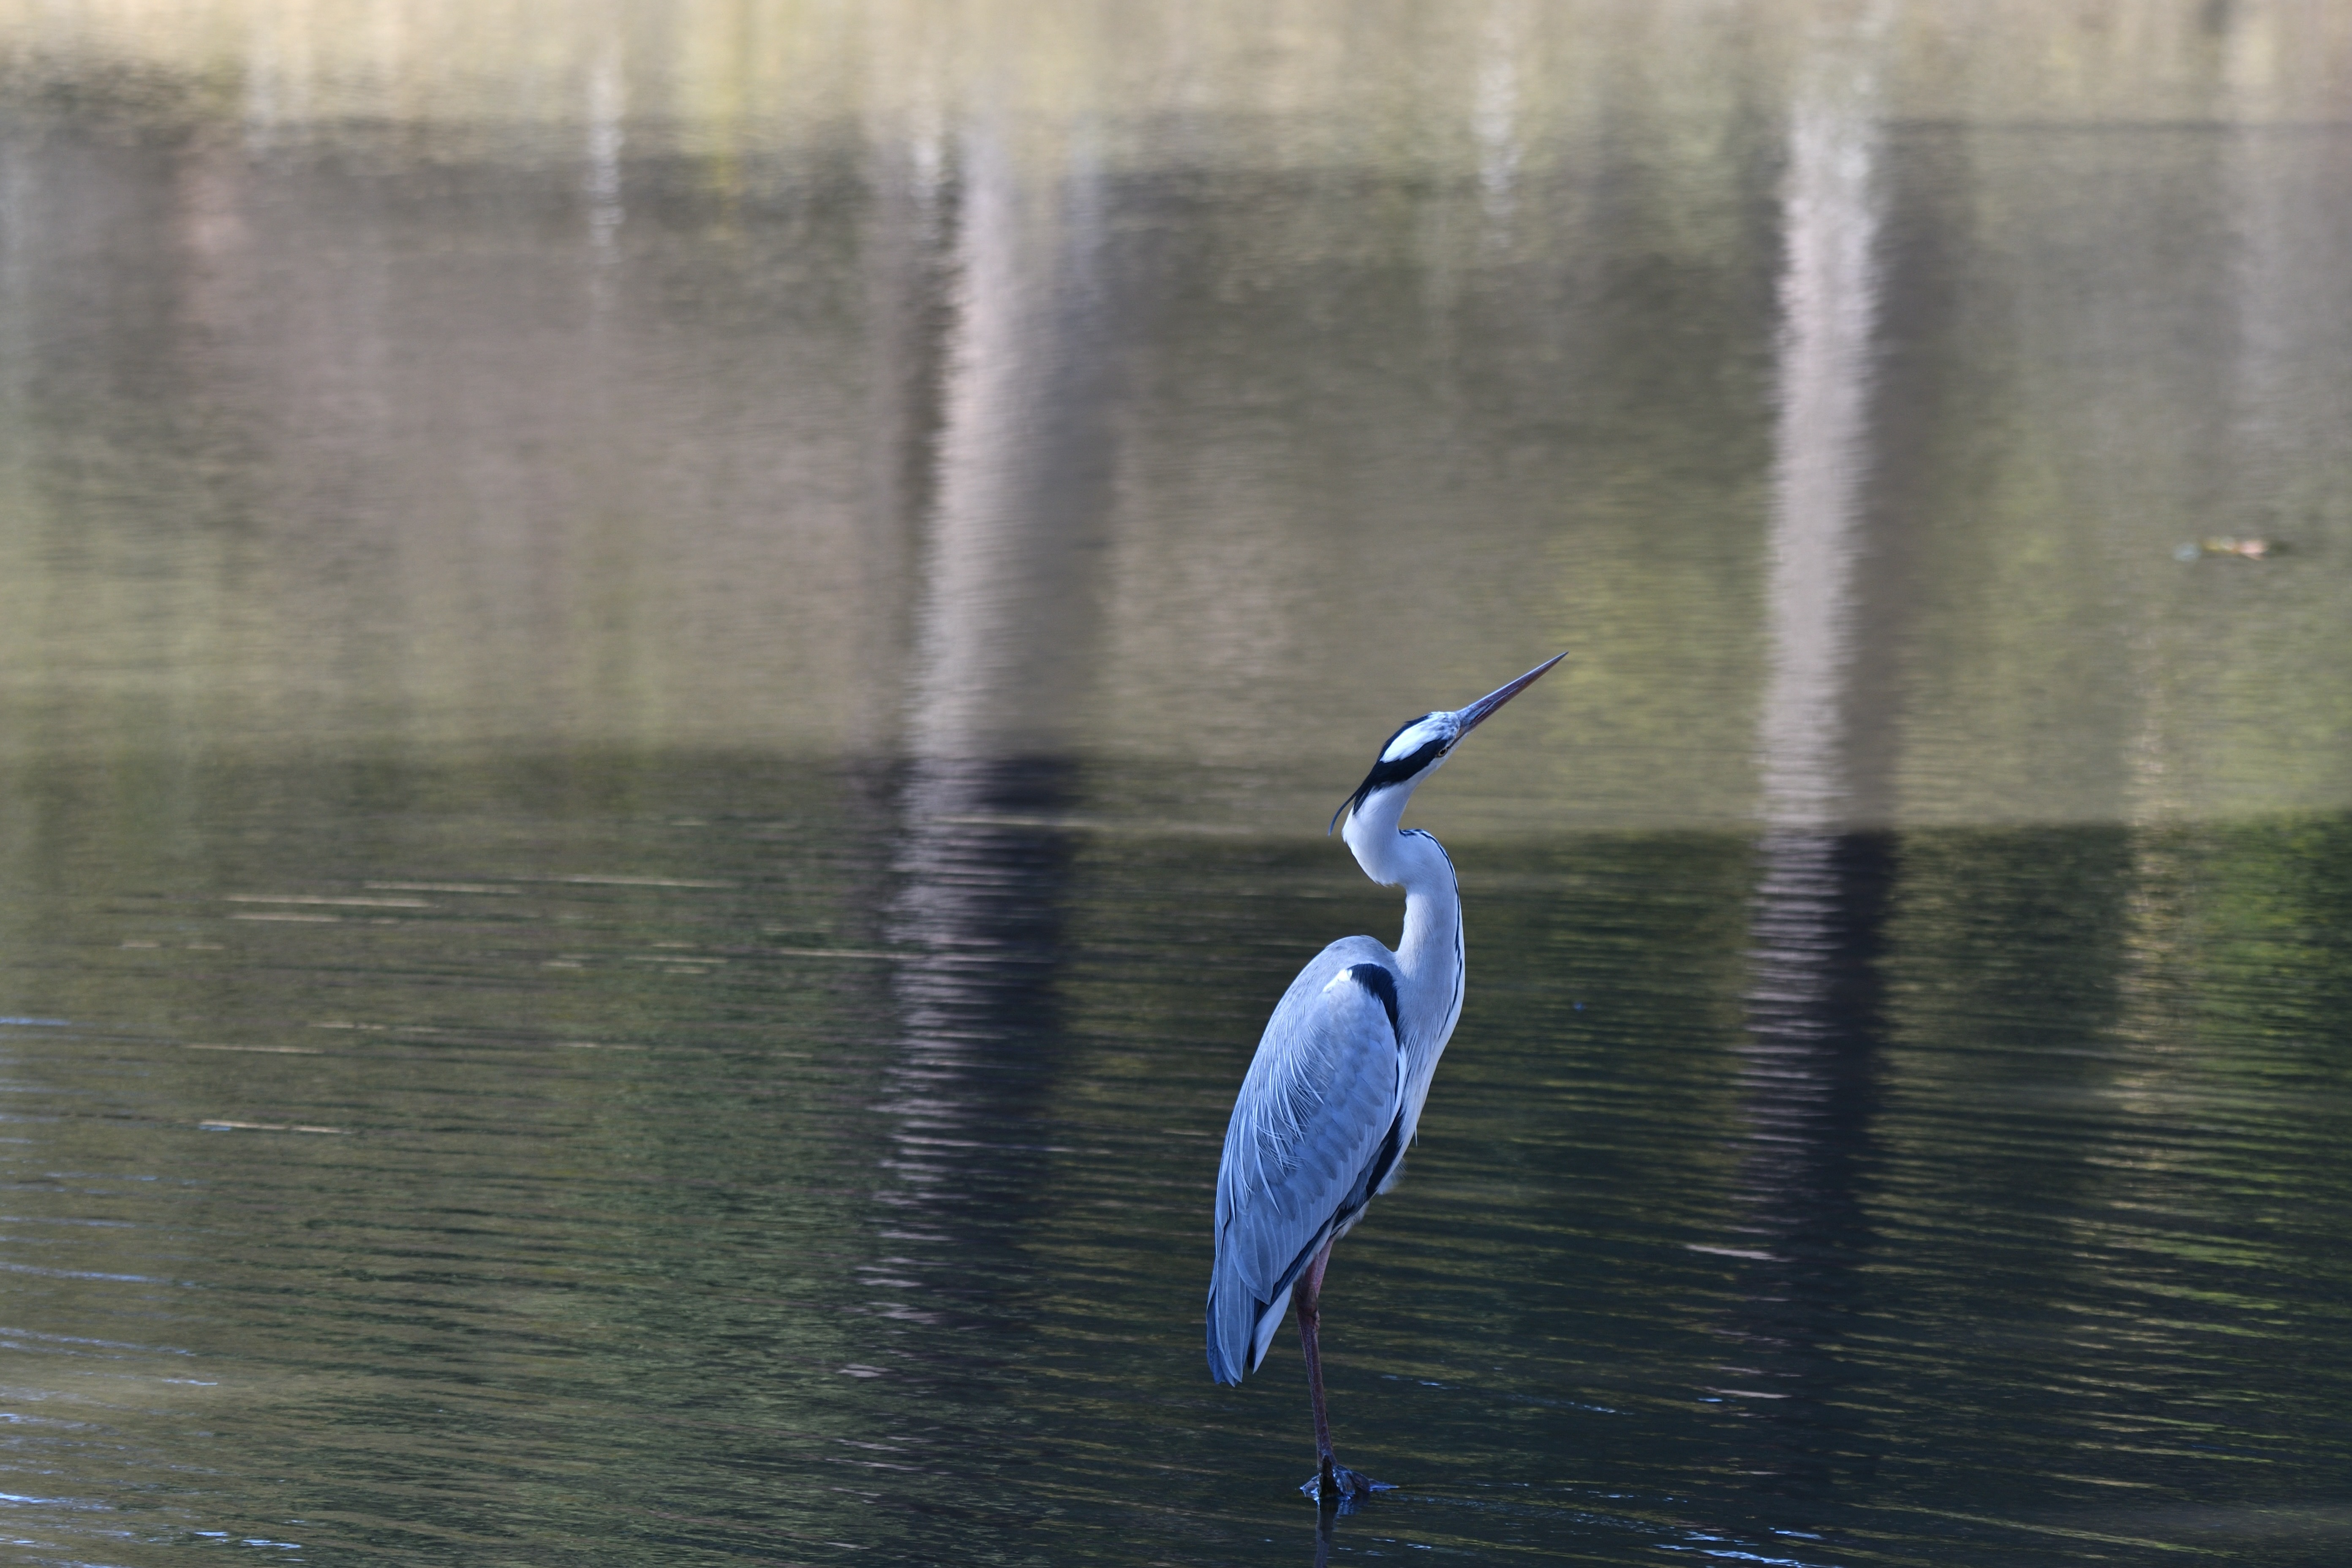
[669, 676]
[640, 1160]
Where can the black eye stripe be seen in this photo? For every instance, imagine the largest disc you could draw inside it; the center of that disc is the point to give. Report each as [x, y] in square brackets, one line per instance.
[1405, 767]
[1385, 772]
[1397, 771]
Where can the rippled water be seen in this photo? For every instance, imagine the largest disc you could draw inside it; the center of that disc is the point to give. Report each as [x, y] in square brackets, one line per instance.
[645, 1160]
[668, 680]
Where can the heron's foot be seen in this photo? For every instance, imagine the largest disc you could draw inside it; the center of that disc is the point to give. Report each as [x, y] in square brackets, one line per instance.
[1348, 1487]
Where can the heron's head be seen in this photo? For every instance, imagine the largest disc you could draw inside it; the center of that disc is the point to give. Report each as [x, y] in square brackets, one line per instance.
[1420, 746]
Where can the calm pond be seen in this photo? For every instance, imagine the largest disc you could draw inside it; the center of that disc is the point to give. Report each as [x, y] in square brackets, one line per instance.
[670, 678]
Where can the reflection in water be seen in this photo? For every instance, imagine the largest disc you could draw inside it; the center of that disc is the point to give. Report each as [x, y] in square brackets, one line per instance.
[547, 553]
[1808, 1078]
[1806, 1064]
[1828, 294]
[983, 890]
[1006, 630]
[1011, 608]
[1495, 110]
[607, 134]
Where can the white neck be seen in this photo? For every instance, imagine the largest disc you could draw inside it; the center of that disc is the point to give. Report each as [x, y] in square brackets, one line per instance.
[1429, 953]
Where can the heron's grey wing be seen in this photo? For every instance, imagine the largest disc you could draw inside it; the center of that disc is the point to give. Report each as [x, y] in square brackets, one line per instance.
[1316, 1112]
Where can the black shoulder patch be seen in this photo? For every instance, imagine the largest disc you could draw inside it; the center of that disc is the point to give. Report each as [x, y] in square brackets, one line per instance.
[1377, 980]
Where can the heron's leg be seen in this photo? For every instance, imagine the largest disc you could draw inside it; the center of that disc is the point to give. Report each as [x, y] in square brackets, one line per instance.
[1309, 1295]
[1333, 1482]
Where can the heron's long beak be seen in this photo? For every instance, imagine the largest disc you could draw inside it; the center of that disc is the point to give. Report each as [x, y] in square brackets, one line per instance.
[1418, 766]
[1477, 712]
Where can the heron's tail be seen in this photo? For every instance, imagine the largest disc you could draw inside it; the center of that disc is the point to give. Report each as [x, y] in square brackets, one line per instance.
[1241, 1327]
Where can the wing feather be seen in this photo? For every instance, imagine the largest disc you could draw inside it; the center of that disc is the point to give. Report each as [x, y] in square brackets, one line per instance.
[1315, 1111]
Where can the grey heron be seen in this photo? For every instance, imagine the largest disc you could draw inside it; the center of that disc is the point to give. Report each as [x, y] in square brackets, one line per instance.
[1334, 1094]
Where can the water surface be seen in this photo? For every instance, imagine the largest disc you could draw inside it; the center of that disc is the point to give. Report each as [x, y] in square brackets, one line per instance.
[669, 679]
